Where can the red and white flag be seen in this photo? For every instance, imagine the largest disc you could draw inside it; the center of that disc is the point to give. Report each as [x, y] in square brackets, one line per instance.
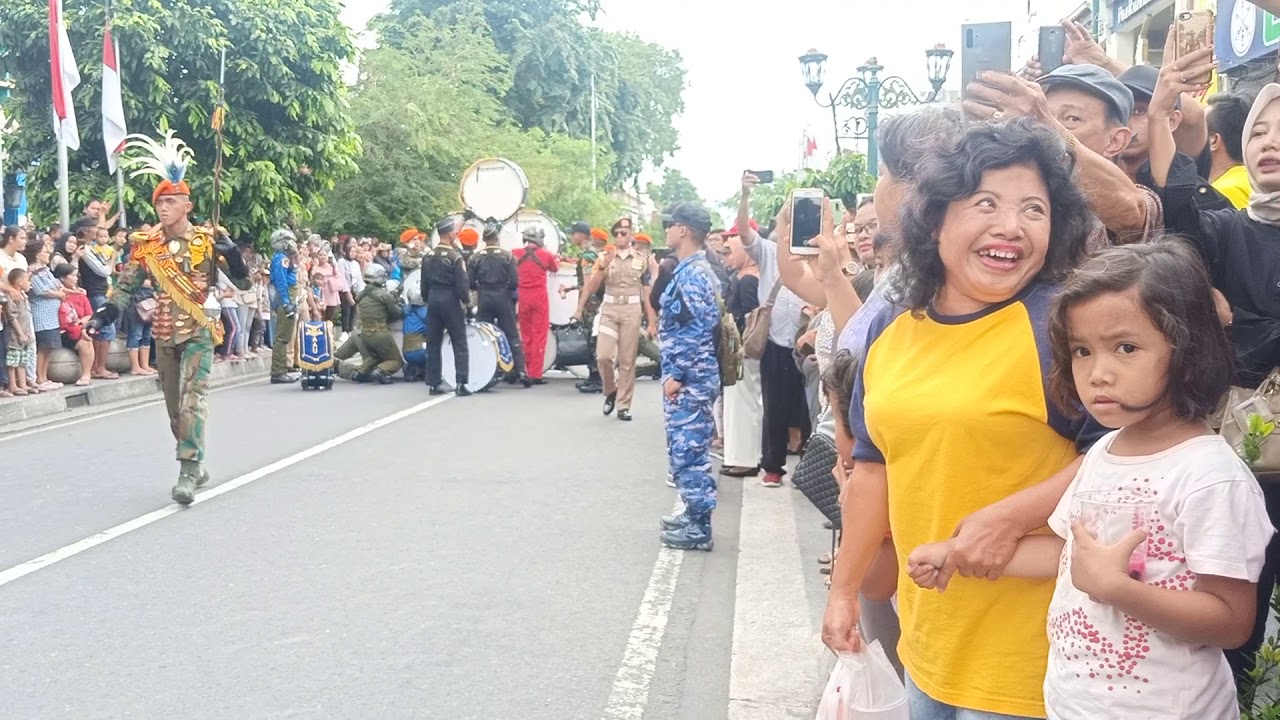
[810, 145]
[66, 77]
[114, 129]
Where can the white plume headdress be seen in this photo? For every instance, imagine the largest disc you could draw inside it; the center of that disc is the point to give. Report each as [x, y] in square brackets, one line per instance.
[168, 161]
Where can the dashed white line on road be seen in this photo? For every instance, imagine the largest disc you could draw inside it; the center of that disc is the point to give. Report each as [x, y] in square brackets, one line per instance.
[51, 558]
[630, 692]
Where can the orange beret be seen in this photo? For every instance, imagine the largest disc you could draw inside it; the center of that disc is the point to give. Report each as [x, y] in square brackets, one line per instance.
[409, 234]
[610, 247]
[599, 234]
[468, 236]
[642, 237]
[168, 187]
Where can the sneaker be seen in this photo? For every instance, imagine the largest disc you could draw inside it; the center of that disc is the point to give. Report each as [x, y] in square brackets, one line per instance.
[694, 536]
[671, 481]
[772, 480]
[674, 522]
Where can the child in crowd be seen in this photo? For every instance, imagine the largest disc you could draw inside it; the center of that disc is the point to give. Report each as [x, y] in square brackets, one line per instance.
[22, 346]
[1145, 603]
[142, 309]
[262, 311]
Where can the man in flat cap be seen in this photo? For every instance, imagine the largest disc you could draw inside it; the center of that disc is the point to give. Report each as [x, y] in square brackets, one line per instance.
[447, 292]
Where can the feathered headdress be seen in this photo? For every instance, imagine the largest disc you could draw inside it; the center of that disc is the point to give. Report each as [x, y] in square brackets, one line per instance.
[168, 161]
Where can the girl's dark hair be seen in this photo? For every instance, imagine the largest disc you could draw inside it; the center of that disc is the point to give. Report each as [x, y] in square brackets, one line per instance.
[906, 139]
[955, 173]
[10, 232]
[31, 251]
[838, 381]
[1174, 290]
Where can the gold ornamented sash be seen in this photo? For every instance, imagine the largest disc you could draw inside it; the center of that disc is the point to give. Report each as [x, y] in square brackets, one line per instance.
[163, 267]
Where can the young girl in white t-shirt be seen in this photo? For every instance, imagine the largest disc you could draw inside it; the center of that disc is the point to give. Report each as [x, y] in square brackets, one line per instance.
[1137, 625]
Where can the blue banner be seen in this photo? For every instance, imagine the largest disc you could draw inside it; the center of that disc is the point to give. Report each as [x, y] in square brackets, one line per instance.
[1243, 32]
[315, 349]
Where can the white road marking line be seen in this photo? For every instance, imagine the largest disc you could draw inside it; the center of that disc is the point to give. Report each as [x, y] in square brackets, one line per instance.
[630, 692]
[98, 416]
[51, 558]
[775, 670]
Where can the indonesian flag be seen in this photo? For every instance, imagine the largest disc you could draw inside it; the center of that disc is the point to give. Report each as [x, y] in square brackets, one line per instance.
[113, 125]
[810, 145]
[66, 77]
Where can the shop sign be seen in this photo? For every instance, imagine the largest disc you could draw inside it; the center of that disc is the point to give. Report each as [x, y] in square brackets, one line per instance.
[1244, 32]
[1122, 10]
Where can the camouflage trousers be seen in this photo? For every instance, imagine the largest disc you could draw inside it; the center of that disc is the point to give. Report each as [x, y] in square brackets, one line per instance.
[184, 378]
[690, 426]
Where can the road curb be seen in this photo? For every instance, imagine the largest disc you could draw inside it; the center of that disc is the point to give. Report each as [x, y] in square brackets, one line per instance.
[111, 393]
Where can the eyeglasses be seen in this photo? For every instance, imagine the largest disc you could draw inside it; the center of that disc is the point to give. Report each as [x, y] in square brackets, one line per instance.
[621, 233]
[868, 229]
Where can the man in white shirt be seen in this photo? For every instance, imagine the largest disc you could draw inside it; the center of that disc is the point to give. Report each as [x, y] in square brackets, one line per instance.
[782, 385]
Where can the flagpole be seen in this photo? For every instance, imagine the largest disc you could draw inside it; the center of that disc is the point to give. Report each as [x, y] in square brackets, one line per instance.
[64, 198]
[124, 212]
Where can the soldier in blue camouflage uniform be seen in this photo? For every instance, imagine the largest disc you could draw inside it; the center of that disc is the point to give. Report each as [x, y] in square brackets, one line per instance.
[687, 331]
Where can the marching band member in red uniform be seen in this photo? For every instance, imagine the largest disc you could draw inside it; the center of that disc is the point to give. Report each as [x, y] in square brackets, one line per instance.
[533, 265]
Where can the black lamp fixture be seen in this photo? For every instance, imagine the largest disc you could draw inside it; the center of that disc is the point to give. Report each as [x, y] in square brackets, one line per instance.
[939, 61]
[814, 65]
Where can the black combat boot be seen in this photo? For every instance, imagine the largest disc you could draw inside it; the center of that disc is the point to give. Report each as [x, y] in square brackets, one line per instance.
[694, 536]
[380, 376]
[592, 384]
[435, 390]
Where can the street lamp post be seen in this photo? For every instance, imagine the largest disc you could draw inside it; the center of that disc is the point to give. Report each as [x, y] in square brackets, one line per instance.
[6, 87]
[867, 92]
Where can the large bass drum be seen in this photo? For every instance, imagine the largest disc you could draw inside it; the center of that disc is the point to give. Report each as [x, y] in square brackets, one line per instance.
[482, 368]
[512, 235]
[562, 309]
[494, 188]
[506, 359]
[412, 287]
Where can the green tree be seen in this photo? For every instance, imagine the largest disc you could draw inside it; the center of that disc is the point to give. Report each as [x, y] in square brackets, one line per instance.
[553, 58]
[674, 188]
[844, 178]
[426, 112]
[288, 134]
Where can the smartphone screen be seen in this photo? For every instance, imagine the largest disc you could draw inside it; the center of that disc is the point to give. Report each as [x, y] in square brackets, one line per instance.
[806, 221]
[764, 176]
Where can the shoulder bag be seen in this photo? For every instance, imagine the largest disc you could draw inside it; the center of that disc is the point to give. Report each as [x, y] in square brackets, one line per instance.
[757, 325]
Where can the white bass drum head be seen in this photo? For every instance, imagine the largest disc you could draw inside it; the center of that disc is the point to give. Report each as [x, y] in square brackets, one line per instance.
[512, 236]
[494, 188]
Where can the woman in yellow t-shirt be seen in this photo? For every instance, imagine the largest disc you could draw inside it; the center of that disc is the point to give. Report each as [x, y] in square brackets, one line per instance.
[954, 430]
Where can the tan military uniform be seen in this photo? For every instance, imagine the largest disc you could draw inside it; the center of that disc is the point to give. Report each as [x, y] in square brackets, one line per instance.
[625, 281]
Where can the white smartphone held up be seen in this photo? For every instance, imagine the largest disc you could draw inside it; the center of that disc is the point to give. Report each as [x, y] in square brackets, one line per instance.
[806, 220]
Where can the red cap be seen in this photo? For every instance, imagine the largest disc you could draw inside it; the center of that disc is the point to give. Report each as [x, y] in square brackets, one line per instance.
[753, 225]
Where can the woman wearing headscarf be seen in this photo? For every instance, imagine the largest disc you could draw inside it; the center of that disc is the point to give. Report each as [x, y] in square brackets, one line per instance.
[1242, 252]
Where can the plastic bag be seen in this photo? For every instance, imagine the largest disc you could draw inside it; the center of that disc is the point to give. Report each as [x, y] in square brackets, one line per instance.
[864, 686]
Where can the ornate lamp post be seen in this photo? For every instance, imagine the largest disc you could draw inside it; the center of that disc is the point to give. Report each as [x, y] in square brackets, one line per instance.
[867, 92]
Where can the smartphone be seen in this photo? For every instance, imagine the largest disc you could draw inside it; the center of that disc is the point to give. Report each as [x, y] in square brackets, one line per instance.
[1053, 48]
[984, 47]
[837, 210]
[1195, 31]
[806, 220]
[764, 176]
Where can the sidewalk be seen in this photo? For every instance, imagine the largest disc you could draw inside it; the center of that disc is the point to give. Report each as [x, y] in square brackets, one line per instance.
[31, 410]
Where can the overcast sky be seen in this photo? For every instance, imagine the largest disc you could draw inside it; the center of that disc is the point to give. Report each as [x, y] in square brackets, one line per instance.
[746, 105]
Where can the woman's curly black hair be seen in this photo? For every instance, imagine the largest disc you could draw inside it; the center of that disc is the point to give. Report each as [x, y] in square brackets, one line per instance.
[956, 173]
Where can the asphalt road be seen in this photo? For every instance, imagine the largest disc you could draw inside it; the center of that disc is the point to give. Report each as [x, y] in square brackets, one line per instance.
[485, 557]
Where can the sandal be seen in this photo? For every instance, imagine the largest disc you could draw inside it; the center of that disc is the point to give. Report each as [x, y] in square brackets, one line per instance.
[83, 382]
[5, 393]
[20, 392]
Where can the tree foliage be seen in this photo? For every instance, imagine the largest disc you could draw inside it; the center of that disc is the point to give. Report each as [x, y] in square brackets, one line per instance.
[288, 134]
[674, 188]
[553, 57]
[844, 178]
[426, 112]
